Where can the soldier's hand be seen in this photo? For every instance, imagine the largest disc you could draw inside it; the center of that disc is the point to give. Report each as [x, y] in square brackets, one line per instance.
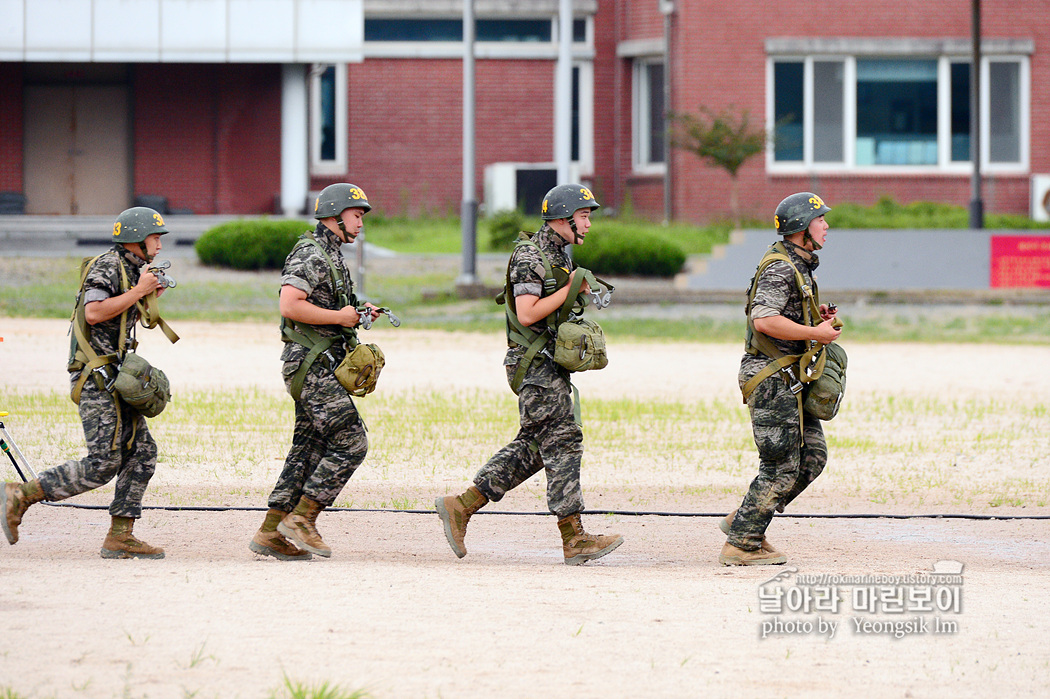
[348, 317]
[148, 282]
[373, 310]
[826, 333]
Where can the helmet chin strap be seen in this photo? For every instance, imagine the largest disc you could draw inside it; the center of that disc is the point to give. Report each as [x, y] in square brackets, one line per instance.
[810, 238]
[576, 237]
[145, 253]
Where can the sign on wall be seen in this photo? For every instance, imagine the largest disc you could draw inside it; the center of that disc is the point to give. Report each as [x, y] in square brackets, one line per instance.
[1020, 261]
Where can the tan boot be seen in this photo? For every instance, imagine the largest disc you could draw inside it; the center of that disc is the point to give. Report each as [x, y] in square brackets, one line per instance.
[15, 499]
[733, 556]
[579, 546]
[269, 542]
[300, 526]
[727, 522]
[455, 512]
[121, 543]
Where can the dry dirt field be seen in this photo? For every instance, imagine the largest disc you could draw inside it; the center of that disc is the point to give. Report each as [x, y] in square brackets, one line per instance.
[393, 613]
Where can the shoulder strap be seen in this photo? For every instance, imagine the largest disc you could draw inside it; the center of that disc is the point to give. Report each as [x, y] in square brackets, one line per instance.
[521, 334]
[305, 334]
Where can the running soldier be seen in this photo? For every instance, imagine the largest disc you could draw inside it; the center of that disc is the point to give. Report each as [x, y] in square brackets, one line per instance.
[550, 439]
[118, 442]
[319, 312]
[791, 451]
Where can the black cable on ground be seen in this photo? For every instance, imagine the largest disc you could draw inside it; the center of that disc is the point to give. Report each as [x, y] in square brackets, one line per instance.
[627, 513]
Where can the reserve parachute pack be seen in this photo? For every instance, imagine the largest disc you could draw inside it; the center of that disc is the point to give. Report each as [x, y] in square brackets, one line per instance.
[359, 371]
[122, 373]
[579, 344]
[817, 377]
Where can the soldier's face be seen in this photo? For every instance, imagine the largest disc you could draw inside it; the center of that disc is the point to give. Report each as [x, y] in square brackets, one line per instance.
[353, 219]
[561, 226]
[818, 230]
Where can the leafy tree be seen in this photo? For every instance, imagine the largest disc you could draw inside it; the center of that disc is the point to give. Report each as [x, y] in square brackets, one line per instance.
[723, 139]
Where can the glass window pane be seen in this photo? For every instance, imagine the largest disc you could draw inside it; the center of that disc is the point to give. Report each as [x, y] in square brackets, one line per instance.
[575, 147]
[513, 30]
[413, 30]
[787, 111]
[896, 112]
[655, 78]
[327, 87]
[827, 111]
[1004, 123]
[960, 117]
[579, 30]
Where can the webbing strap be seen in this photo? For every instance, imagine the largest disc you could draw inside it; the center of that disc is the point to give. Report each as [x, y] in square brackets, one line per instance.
[87, 356]
[305, 335]
[149, 312]
[760, 342]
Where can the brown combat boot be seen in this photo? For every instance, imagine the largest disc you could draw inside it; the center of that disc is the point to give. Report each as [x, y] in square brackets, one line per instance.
[121, 543]
[15, 499]
[733, 556]
[579, 546]
[269, 542]
[727, 522]
[300, 526]
[455, 512]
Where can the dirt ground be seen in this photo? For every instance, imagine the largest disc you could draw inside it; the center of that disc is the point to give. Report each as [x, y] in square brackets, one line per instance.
[394, 613]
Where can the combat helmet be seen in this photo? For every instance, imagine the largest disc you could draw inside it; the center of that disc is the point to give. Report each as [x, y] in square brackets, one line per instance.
[797, 211]
[134, 225]
[337, 198]
[565, 200]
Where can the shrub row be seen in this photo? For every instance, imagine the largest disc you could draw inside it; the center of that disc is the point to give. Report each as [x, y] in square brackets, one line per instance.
[249, 243]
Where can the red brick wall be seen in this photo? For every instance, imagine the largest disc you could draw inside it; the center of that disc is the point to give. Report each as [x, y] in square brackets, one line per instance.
[729, 69]
[406, 129]
[207, 137]
[11, 127]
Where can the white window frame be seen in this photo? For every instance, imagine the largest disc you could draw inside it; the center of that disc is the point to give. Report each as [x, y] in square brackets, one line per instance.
[585, 163]
[944, 163]
[338, 165]
[641, 162]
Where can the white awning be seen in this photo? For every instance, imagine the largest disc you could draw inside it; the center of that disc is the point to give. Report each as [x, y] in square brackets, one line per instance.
[182, 31]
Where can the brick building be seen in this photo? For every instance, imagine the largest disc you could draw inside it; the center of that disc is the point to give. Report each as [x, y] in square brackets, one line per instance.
[245, 106]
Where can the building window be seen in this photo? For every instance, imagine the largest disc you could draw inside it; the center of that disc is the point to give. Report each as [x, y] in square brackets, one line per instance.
[495, 30]
[861, 112]
[328, 123]
[649, 116]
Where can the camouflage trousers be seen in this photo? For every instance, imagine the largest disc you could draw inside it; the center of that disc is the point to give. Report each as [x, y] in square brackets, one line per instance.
[786, 465]
[132, 464]
[549, 440]
[328, 444]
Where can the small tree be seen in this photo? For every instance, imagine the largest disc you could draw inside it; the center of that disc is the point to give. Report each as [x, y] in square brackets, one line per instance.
[723, 139]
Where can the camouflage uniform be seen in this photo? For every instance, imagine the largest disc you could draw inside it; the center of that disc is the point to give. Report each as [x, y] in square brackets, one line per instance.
[786, 467]
[329, 441]
[134, 459]
[549, 438]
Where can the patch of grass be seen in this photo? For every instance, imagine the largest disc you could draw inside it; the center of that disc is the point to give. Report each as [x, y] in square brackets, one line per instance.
[445, 235]
[887, 213]
[293, 689]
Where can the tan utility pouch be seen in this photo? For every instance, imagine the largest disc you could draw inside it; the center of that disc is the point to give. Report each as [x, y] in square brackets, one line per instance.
[359, 371]
[823, 395]
[142, 386]
[580, 346]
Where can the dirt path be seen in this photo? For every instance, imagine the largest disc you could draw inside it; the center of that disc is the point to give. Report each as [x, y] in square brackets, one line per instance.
[395, 613]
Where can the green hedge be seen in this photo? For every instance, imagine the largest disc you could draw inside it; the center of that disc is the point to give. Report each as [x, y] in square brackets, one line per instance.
[250, 243]
[888, 213]
[629, 253]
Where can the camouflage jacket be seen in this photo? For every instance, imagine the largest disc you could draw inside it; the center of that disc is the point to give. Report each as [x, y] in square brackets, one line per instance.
[776, 290]
[103, 281]
[526, 275]
[307, 270]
